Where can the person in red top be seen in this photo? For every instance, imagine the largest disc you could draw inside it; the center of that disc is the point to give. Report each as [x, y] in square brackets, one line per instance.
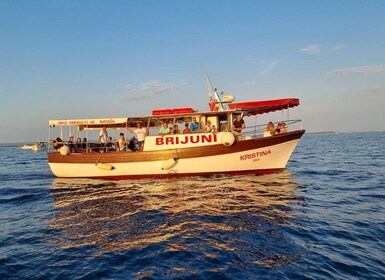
[238, 126]
[186, 129]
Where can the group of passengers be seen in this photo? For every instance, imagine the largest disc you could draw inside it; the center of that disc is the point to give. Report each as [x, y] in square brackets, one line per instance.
[123, 145]
[106, 142]
[272, 130]
[188, 128]
[74, 146]
[166, 130]
[194, 127]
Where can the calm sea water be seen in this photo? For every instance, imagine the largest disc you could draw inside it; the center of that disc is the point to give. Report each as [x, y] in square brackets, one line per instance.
[321, 218]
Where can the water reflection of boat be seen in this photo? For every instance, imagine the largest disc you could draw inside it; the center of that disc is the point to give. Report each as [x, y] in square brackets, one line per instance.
[233, 215]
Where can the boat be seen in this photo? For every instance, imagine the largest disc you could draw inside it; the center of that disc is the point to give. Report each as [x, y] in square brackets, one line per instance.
[37, 146]
[181, 155]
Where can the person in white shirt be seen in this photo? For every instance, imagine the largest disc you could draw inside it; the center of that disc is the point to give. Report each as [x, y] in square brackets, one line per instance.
[103, 135]
[141, 134]
[207, 126]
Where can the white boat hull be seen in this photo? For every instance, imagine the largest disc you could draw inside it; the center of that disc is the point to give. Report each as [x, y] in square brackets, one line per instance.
[265, 159]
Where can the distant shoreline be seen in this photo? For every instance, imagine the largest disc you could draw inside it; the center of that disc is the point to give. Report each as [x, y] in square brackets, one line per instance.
[322, 132]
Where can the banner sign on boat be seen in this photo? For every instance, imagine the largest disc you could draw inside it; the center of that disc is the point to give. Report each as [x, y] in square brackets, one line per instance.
[86, 122]
[156, 143]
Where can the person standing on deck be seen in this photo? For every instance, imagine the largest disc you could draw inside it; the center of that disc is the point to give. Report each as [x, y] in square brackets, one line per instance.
[238, 126]
[141, 134]
[103, 135]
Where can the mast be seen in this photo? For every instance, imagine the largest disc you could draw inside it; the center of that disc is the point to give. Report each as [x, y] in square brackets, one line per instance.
[213, 94]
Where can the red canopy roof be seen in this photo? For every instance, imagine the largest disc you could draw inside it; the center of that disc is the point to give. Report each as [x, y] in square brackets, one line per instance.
[265, 106]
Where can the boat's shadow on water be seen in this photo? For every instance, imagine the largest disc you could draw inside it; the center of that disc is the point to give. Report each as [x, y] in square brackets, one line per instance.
[223, 223]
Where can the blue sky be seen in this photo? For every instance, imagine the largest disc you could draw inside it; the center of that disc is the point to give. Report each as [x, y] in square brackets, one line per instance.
[91, 59]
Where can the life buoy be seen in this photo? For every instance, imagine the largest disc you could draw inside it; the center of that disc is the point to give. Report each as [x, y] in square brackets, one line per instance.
[228, 139]
[64, 150]
[104, 166]
[170, 163]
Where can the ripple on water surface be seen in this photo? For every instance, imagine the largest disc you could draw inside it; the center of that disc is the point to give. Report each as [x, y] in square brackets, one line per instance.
[180, 227]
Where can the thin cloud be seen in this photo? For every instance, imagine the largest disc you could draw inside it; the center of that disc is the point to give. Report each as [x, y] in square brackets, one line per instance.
[270, 67]
[366, 69]
[337, 47]
[313, 49]
[149, 90]
[374, 90]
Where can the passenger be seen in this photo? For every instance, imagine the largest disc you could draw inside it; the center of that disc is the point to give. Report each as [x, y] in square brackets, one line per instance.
[194, 126]
[103, 135]
[269, 130]
[278, 129]
[176, 129]
[186, 129]
[283, 128]
[86, 146]
[84, 143]
[78, 144]
[207, 126]
[164, 130]
[133, 145]
[238, 126]
[110, 144]
[71, 144]
[214, 130]
[141, 133]
[57, 144]
[224, 127]
[122, 143]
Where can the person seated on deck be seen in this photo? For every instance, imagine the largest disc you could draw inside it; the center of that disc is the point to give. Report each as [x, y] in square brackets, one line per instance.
[176, 129]
[207, 126]
[78, 145]
[283, 128]
[71, 144]
[110, 144]
[186, 129]
[194, 126]
[214, 130]
[278, 129]
[133, 144]
[57, 144]
[223, 127]
[164, 130]
[84, 144]
[269, 130]
[122, 143]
